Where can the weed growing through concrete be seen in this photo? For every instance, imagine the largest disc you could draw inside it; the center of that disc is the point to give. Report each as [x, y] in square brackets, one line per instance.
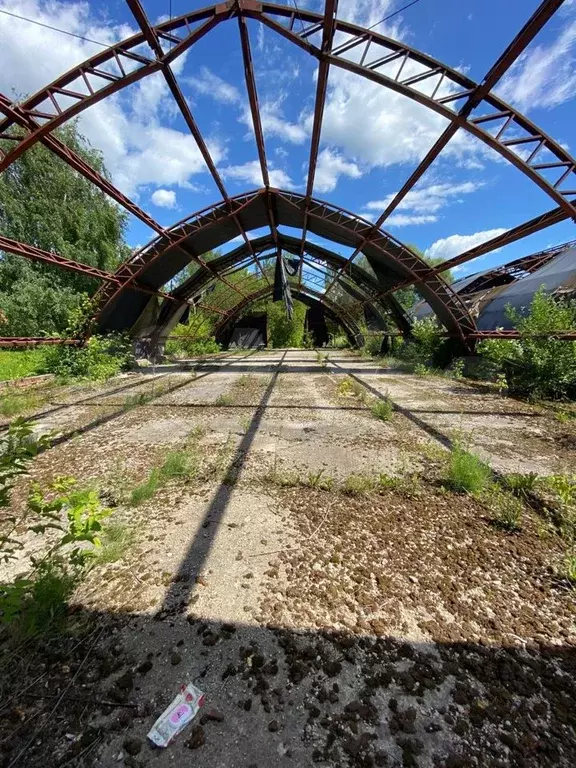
[319, 480]
[507, 508]
[12, 403]
[382, 409]
[177, 464]
[358, 485]
[349, 387]
[116, 540]
[466, 472]
[223, 400]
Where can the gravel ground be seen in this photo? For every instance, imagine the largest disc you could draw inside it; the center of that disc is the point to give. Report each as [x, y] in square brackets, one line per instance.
[390, 628]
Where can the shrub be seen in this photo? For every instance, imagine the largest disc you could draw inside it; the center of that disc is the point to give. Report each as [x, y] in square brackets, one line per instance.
[339, 341]
[537, 365]
[282, 330]
[467, 472]
[191, 347]
[382, 409]
[37, 599]
[100, 358]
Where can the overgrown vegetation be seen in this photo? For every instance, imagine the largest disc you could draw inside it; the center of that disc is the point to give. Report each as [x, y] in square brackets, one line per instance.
[69, 516]
[17, 363]
[537, 365]
[282, 330]
[16, 401]
[177, 464]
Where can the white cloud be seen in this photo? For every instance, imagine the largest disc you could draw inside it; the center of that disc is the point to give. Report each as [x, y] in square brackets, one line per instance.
[375, 126]
[251, 173]
[164, 198]
[129, 128]
[448, 247]
[431, 198]
[404, 220]
[210, 84]
[331, 165]
[545, 75]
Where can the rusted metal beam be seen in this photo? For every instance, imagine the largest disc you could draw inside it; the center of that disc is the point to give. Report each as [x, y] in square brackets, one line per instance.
[33, 341]
[257, 121]
[49, 257]
[330, 11]
[153, 40]
[510, 55]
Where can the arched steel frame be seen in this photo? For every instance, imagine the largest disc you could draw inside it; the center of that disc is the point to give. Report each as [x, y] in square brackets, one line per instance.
[357, 283]
[466, 105]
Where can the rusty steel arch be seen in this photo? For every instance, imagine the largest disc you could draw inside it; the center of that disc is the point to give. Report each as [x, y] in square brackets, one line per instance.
[466, 105]
[307, 296]
[362, 286]
[213, 227]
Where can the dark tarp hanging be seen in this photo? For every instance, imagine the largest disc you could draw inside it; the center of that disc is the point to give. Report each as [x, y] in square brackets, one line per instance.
[282, 286]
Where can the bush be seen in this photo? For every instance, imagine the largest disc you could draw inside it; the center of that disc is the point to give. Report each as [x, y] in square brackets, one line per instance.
[467, 472]
[37, 598]
[283, 331]
[536, 365]
[100, 358]
[192, 347]
[382, 409]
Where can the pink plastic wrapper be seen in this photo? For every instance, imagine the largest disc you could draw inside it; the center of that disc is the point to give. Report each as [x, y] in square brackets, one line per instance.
[176, 716]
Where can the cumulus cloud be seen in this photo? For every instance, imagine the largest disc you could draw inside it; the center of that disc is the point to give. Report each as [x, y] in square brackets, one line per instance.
[210, 84]
[251, 173]
[164, 198]
[404, 220]
[330, 167]
[448, 247]
[129, 128]
[545, 75]
[421, 205]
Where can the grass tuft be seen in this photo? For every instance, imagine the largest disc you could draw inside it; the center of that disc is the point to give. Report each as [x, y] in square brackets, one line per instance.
[358, 485]
[116, 540]
[12, 403]
[382, 409]
[467, 472]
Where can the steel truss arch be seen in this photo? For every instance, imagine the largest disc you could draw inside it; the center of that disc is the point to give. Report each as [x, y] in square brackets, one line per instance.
[113, 69]
[307, 296]
[212, 227]
[465, 105]
[363, 284]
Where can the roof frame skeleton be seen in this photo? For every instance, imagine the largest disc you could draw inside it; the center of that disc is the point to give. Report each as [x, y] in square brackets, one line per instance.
[516, 138]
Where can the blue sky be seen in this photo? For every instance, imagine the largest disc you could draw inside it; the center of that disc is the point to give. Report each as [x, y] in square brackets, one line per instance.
[371, 139]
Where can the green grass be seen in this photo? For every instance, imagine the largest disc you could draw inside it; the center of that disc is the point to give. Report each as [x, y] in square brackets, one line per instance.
[116, 539]
[177, 464]
[13, 402]
[382, 409]
[358, 485]
[508, 509]
[467, 472]
[16, 363]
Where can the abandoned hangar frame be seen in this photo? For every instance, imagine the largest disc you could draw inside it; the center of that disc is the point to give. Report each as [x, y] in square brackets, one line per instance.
[122, 299]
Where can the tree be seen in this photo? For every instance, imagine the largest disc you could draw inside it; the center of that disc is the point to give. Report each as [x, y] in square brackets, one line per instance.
[45, 203]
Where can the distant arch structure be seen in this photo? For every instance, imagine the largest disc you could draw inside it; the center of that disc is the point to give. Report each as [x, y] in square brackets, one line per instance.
[134, 296]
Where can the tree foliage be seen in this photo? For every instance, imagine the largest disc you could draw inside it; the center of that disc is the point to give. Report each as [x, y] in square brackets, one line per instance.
[45, 203]
[537, 364]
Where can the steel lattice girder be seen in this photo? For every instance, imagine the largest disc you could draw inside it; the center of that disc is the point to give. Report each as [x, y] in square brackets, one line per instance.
[382, 60]
[306, 295]
[368, 285]
[213, 227]
[111, 70]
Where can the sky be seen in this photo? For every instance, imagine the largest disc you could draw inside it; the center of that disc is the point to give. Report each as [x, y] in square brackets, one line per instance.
[371, 138]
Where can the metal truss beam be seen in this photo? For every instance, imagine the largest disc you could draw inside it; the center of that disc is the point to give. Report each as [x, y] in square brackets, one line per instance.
[330, 10]
[476, 96]
[154, 41]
